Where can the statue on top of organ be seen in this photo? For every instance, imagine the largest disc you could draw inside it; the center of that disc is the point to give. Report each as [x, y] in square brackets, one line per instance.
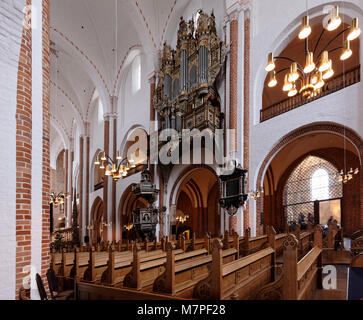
[186, 95]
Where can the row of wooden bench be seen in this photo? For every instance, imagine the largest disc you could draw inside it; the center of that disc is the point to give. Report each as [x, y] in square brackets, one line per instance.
[221, 275]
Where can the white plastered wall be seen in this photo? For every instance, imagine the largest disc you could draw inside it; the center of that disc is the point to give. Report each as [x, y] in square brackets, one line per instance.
[271, 32]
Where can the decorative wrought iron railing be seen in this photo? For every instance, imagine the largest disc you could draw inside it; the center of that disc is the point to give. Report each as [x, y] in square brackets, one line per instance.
[337, 83]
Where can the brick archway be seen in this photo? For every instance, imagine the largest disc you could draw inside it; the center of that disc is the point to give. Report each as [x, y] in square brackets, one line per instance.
[327, 127]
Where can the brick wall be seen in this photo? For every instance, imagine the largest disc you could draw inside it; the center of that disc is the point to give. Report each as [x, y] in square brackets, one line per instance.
[23, 157]
[46, 142]
[11, 18]
[246, 109]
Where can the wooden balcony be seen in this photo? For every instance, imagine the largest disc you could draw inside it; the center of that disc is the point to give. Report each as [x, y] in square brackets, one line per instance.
[335, 84]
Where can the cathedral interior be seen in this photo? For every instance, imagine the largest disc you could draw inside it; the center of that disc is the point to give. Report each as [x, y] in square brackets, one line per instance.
[185, 149]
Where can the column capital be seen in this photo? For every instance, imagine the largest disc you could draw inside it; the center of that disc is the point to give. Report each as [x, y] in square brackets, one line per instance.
[84, 136]
[109, 116]
[234, 7]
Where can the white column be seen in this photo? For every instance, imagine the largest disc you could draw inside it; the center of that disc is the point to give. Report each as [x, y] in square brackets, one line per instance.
[37, 144]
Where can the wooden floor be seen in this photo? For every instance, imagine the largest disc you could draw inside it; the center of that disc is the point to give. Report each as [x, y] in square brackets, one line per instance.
[341, 292]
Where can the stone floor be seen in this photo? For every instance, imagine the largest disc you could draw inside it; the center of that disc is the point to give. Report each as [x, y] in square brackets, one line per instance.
[341, 291]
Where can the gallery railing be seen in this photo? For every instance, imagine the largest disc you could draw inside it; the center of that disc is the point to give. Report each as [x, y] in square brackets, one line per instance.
[337, 83]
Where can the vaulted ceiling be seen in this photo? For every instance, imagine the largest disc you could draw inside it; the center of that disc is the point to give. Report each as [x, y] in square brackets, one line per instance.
[92, 42]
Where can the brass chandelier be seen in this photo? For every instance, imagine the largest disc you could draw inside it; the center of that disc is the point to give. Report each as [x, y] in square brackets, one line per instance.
[312, 77]
[347, 176]
[255, 194]
[117, 169]
[57, 199]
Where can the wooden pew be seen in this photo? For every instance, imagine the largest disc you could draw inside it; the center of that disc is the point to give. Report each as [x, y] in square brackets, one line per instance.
[302, 277]
[304, 239]
[357, 246]
[299, 279]
[89, 291]
[119, 266]
[97, 264]
[179, 279]
[238, 279]
[143, 274]
[356, 234]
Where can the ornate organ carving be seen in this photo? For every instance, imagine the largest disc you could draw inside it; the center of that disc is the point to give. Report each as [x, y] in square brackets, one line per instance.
[186, 95]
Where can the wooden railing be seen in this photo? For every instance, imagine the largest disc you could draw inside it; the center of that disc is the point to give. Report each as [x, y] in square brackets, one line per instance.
[337, 83]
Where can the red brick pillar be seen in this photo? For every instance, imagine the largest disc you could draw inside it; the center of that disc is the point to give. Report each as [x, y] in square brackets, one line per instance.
[114, 182]
[66, 154]
[80, 177]
[152, 119]
[106, 149]
[86, 231]
[361, 187]
[23, 117]
[246, 109]
[71, 190]
[233, 90]
[46, 139]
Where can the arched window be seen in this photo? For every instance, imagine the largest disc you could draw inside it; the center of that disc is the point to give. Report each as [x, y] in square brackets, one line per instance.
[313, 179]
[136, 74]
[320, 185]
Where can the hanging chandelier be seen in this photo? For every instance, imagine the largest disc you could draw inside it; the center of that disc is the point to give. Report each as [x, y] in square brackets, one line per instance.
[256, 194]
[347, 176]
[128, 226]
[311, 78]
[57, 199]
[117, 169]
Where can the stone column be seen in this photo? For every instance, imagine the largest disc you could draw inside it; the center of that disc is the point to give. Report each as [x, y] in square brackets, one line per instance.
[87, 169]
[246, 108]
[114, 204]
[71, 190]
[66, 168]
[80, 181]
[106, 145]
[109, 186]
[233, 17]
[152, 120]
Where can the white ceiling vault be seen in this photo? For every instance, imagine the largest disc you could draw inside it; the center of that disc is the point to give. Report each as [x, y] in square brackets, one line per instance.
[92, 42]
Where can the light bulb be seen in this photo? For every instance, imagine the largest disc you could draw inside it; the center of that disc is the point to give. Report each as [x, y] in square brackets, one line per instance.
[132, 163]
[273, 81]
[118, 157]
[293, 91]
[310, 65]
[270, 63]
[305, 30]
[294, 75]
[314, 78]
[329, 73]
[335, 20]
[102, 166]
[287, 85]
[97, 162]
[347, 52]
[320, 82]
[324, 63]
[108, 170]
[355, 30]
[103, 158]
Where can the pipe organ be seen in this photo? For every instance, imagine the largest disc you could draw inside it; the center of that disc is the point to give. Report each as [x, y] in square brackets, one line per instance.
[186, 95]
